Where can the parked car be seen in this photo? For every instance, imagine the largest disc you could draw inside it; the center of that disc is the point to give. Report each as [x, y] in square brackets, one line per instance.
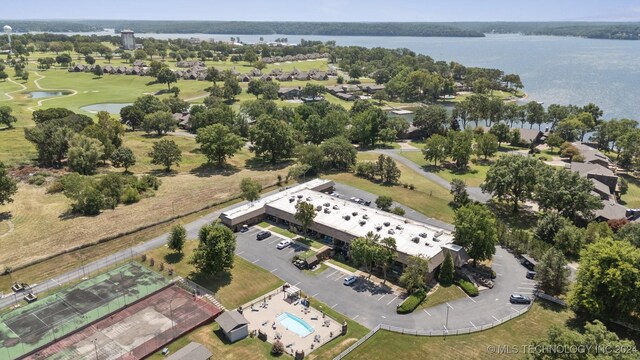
[349, 280]
[244, 228]
[283, 244]
[531, 274]
[300, 264]
[263, 235]
[519, 299]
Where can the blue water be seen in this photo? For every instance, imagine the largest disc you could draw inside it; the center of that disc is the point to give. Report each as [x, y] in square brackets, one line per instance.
[295, 324]
[44, 94]
[112, 108]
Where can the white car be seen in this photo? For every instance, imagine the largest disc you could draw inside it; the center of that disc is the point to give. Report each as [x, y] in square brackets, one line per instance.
[283, 244]
[349, 280]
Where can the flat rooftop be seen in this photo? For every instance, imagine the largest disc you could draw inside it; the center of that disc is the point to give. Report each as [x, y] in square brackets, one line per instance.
[412, 237]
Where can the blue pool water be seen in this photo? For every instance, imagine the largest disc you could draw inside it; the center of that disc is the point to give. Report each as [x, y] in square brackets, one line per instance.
[295, 324]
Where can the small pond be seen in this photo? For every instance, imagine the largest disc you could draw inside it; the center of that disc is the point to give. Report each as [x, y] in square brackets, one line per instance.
[46, 94]
[112, 108]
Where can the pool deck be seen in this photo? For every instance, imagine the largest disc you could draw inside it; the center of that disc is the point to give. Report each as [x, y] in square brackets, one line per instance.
[263, 318]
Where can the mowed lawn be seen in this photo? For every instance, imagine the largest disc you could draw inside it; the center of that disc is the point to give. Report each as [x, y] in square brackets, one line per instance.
[632, 197]
[242, 284]
[473, 176]
[442, 295]
[427, 198]
[520, 331]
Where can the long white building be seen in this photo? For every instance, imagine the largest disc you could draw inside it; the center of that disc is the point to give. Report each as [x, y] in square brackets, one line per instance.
[338, 221]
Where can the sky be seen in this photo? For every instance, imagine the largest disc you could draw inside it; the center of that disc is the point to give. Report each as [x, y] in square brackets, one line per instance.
[327, 10]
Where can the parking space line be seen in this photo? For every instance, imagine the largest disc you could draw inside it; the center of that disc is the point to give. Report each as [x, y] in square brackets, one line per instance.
[426, 312]
[292, 250]
[526, 288]
[380, 298]
[334, 306]
[296, 284]
[240, 253]
[274, 241]
[494, 264]
[330, 275]
[338, 278]
[498, 274]
[495, 318]
[514, 309]
[389, 303]
[314, 295]
[274, 270]
[450, 306]
[355, 317]
[253, 262]
[474, 325]
[470, 298]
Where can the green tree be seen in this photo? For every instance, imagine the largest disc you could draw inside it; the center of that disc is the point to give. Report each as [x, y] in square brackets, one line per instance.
[166, 76]
[459, 147]
[431, 119]
[272, 138]
[435, 149]
[459, 192]
[554, 140]
[215, 251]
[512, 177]
[566, 192]
[447, 270]
[569, 240]
[149, 104]
[486, 145]
[97, 71]
[8, 186]
[255, 87]
[501, 132]
[312, 156]
[166, 153]
[548, 225]
[387, 253]
[132, 116]
[82, 190]
[608, 280]
[123, 157]
[630, 232]
[84, 153]
[535, 114]
[364, 250]
[218, 142]
[384, 202]
[339, 153]
[414, 274]
[177, 238]
[250, 189]
[476, 231]
[5, 116]
[552, 274]
[161, 122]
[305, 213]
[231, 87]
[366, 125]
[108, 131]
[176, 105]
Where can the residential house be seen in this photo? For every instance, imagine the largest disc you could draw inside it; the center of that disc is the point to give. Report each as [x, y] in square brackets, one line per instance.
[121, 69]
[320, 75]
[192, 351]
[109, 69]
[139, 63]
[336, 89]
[182, 119]
[244, 78]
[345, 96]
[592, 155]
[266, 77]
[285, 77]
[289, 93]
[276, 72]
[303, 76]
[255, 72]
[234, 325]
[372, 88]
[77, 68]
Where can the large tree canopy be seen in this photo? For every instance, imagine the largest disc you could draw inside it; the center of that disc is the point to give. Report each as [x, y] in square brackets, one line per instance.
[512, 177]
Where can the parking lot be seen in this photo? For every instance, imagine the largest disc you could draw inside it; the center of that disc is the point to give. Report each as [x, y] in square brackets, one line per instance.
[370, 304]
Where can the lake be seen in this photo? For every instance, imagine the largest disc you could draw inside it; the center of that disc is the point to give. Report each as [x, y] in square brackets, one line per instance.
[563, 70]
[112, 108]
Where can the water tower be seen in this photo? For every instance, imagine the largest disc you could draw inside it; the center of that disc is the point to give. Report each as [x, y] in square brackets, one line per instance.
[7, 30]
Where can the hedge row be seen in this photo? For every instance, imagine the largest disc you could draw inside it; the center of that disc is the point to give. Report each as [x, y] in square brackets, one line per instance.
[411, 302]
[468, 287]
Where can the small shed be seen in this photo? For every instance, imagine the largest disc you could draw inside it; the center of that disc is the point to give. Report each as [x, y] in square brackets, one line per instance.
[193, 351]
[234, 326]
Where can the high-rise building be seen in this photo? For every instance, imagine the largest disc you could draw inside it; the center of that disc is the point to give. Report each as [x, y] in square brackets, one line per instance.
[128, 40]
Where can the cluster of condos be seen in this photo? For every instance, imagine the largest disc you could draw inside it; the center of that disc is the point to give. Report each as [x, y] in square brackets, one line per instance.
[338, 221]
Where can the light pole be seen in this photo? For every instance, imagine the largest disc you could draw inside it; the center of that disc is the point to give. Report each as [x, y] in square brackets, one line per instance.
[447, 324]
[173, 327]
[95, 346]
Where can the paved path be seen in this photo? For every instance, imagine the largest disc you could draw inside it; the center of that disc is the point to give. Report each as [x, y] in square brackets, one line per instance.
[8, 94]
[475, 193]
[37, 84]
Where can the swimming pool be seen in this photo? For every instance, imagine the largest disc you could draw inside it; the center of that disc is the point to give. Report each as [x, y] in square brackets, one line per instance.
[294, 324]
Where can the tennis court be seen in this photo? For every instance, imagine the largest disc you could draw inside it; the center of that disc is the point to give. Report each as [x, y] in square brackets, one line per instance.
[29, 328]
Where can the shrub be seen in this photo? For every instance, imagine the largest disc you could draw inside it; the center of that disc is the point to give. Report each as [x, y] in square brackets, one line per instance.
[411, 302]
[578, 158]
[149, 182]
[161, 267]
[468, 287]
[398, 210]
[55, 187]
[37, 180]
[412, 187]
[278, 348]
[543, 158]
[143, 257]
[152, 262]
[130, 195]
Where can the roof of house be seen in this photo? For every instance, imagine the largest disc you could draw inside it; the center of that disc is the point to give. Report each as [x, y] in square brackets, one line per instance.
[230, 320]
[601, 187]
[193, 351]
[611, 210]
[585, 169]
[591, 154]
[284, 90]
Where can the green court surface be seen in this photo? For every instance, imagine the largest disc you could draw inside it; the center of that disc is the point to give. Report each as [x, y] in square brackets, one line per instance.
[28, 328]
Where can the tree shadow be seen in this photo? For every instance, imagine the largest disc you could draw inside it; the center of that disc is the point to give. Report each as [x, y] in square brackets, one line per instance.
[211, 282]
[163, 172]
[208, 169]
[259, 164]
[432, 168]
[5, 215]
[173, 258]
[523, 219]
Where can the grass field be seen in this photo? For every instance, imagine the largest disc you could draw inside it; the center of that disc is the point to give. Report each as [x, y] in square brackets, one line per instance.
[244, 283]
[428, 197]
[473, 176]
[520, 331]
[632, 197]
[442, 295]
